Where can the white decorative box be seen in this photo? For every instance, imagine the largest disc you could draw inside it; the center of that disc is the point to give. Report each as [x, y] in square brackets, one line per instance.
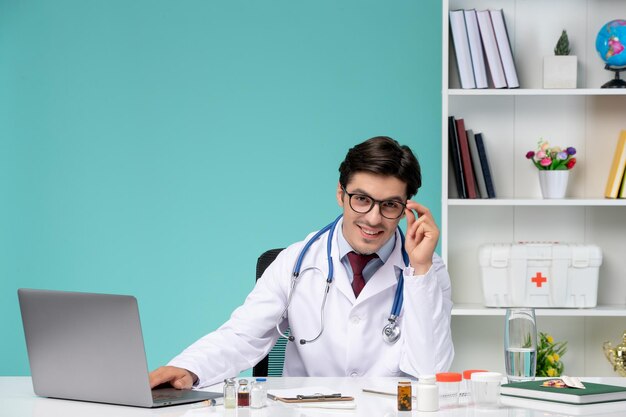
[540, 274]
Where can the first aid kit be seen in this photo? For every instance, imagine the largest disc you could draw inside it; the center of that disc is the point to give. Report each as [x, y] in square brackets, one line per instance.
[540, 274]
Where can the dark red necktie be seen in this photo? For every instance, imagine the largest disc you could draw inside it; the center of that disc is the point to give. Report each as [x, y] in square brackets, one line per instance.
[358, 262]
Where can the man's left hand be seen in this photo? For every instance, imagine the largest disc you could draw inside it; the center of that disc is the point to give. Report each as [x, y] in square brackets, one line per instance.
[422, 235]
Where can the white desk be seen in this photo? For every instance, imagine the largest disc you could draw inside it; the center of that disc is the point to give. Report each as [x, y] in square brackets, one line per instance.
[18, 400]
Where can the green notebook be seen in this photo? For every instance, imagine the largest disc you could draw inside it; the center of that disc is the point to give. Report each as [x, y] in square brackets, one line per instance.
[594, 393]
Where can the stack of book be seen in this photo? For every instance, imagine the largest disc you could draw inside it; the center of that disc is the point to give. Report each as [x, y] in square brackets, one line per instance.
[481, 41]
[468, 158]
[616, 183]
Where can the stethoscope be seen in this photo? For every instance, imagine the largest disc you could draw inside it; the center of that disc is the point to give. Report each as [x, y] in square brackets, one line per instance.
[391, 331]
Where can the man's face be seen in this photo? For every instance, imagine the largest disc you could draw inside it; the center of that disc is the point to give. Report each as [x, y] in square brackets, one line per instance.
[368, 232]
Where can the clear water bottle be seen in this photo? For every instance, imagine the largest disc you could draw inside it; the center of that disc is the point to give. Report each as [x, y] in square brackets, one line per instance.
[520, 344]
[258, 393]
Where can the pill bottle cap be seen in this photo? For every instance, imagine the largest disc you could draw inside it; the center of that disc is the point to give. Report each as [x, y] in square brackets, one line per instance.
[448, 377]
[426, 379]
[487, 376]
[467, 374]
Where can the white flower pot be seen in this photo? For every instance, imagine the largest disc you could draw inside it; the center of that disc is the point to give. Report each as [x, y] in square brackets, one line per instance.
[553, 183]
[560, 71]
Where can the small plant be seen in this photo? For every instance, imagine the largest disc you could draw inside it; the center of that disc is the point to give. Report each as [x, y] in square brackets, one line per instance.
[549, 354]
[562, 46]
[552, 157]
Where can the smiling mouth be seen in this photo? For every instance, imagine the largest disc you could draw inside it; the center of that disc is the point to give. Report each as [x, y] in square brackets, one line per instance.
[369, 233]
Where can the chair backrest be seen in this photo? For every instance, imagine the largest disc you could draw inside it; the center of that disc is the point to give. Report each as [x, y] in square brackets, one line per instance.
[272, 364]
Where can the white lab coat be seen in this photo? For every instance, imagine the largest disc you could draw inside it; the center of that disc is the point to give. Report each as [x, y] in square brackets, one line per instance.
[352, 342]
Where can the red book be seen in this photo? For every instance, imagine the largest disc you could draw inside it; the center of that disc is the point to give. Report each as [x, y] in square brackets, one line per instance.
[466, 160]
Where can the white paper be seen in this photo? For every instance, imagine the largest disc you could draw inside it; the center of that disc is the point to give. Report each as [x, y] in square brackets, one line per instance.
[294, 392]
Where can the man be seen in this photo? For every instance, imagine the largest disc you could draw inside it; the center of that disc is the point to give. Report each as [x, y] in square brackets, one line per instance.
[377, 179]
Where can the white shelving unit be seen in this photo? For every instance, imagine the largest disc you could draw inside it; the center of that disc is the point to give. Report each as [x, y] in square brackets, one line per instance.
[512, 121]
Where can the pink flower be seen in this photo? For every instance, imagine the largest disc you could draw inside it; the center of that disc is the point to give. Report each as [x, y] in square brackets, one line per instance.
[541, 154]
[545, 162]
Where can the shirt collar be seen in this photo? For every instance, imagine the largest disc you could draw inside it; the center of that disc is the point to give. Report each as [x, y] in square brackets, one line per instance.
[344, 247]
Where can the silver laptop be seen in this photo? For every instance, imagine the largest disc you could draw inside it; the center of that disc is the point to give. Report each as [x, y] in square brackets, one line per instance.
[90, 347]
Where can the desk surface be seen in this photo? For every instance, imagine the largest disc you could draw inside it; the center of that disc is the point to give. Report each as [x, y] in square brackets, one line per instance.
[18, 400]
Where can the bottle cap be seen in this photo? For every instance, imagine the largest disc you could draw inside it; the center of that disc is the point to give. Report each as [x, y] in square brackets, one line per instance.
[467, 374]
[448, 377]
[426, 379]
[487, 376]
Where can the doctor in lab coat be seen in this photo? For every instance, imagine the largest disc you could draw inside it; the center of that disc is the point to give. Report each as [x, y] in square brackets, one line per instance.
[377, 180]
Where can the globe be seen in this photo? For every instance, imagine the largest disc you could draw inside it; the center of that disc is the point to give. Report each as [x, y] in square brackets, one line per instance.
[610, 43]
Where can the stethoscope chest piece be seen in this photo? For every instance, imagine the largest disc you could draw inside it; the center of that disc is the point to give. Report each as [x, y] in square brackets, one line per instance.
[391, 331]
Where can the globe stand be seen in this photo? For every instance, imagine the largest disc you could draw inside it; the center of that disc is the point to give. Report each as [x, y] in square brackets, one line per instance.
[615, 82]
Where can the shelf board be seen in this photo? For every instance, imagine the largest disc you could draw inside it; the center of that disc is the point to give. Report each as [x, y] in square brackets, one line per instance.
[537, 92]
[599, 311]
[537, 202]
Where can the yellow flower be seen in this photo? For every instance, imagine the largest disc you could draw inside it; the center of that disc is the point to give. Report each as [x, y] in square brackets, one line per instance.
[556, 356]
[550, 339]
[551, 372]
[550, 358]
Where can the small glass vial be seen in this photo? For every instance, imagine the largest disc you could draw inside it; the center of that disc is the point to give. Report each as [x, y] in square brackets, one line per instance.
[230, 393]
[405, 396]
[427, 393]
[243, 394]
[258, 393]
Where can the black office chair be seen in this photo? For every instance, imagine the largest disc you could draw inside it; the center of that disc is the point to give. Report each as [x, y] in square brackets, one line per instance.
[272, 364]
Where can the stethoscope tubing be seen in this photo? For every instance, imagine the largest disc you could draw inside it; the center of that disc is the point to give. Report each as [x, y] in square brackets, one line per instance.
[391, 332]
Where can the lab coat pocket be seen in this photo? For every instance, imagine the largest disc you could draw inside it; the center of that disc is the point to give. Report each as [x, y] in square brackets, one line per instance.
[391, 362]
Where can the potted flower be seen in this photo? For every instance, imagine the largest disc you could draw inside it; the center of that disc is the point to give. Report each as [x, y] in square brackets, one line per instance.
[560, 70]
[553, 163]
[549, 355]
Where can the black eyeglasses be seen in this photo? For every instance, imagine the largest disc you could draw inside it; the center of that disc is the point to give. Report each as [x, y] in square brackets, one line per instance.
[362, 203]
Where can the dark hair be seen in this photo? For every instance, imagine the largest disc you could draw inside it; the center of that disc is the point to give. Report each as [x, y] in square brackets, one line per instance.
[384, 156]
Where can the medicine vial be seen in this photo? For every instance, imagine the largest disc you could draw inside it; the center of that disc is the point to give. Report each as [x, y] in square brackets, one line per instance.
[230, 393]
[243, 394]
[427, 393]
[405, 396]
[258, 393]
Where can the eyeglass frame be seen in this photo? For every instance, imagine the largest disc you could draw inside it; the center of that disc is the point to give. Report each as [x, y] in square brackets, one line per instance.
[374, 202]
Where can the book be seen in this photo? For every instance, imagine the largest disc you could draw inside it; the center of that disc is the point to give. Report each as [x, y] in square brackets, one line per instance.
[461, 49]
[484, 165]
[618, 165]
[622, 188]
[476, 49]
[476, 164]
[487, 34]
[466, 159]
[592, 394]
[548, 407]
[504, 47]
[455, 156]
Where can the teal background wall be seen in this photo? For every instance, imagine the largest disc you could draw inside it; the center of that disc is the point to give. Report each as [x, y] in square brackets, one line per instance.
[156, 148]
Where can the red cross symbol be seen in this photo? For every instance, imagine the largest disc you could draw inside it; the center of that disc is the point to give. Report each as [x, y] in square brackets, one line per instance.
[539, 279]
